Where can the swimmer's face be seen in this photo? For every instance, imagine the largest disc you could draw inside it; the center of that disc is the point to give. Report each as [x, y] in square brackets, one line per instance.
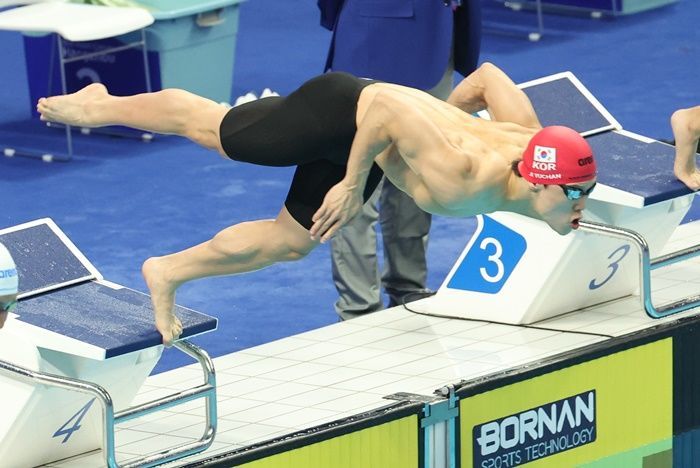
[557, 208]
[8, 303]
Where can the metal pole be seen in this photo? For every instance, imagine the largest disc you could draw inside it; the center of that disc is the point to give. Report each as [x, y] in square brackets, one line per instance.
[64, 89]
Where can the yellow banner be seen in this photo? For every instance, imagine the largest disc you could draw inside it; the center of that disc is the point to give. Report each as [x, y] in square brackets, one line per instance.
[393, 444]
[573, 416]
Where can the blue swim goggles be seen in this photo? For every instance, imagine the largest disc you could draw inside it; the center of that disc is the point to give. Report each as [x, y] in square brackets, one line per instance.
[9, 306]
[575, 193]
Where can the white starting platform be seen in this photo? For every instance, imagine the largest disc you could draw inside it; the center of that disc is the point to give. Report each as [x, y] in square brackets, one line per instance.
[76, 353]
[517, 270]
[396, 389]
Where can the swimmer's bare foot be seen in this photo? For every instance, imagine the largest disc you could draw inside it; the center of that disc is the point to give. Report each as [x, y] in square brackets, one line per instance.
[163, 299]
[690, 179]
[73, 109]
[686, 134]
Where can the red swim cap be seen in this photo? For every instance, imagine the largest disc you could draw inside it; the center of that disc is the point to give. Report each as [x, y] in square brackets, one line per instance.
[557, 155]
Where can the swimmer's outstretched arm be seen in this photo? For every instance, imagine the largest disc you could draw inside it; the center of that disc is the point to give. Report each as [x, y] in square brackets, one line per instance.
[344, 199]
[686, 131]
[392, 117]
[488, 87]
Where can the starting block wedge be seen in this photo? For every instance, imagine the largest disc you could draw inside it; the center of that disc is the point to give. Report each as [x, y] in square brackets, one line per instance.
[517, 270]
[76, 352]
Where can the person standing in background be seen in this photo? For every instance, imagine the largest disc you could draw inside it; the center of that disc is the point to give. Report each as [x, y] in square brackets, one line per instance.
[417, 43]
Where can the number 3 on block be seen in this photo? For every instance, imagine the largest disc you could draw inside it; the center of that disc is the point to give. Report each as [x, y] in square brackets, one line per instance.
[491, 259]
[615, 257]
[495, 259]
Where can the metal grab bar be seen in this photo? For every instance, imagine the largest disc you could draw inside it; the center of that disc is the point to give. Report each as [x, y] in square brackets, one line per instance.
[110, 419]
[646, 265]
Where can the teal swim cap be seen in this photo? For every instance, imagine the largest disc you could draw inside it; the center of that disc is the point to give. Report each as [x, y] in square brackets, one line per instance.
[9, 280]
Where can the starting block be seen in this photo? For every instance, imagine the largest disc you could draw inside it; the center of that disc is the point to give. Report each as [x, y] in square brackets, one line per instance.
[76, 352]
[517, 270]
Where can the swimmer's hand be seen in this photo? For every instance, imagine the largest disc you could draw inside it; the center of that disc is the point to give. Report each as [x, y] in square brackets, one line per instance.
[341, 204]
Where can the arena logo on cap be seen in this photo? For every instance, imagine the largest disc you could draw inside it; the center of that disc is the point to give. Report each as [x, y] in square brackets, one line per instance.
[544, 158]
[10, 273]
[585, 161]
[536, 433]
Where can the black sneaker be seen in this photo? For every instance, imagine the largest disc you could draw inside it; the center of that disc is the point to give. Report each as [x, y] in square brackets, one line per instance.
[410, 297]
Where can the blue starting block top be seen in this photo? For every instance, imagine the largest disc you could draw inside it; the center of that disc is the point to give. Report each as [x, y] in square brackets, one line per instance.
[639, 169]
[638, 166]
[47, 257]
[563, 100]
[65, 300]
[115, 321]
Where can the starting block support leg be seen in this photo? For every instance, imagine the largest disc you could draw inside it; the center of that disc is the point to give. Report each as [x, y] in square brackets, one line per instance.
[75, 331]
[207, 390]
[646, 265]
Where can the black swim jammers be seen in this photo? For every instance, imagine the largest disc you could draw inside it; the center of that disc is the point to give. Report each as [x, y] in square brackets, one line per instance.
[312, 128]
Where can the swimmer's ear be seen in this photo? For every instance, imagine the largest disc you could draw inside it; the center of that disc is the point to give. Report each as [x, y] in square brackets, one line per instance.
[535, 187]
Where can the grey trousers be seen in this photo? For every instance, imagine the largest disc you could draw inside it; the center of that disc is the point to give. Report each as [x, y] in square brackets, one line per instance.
[405, 230]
